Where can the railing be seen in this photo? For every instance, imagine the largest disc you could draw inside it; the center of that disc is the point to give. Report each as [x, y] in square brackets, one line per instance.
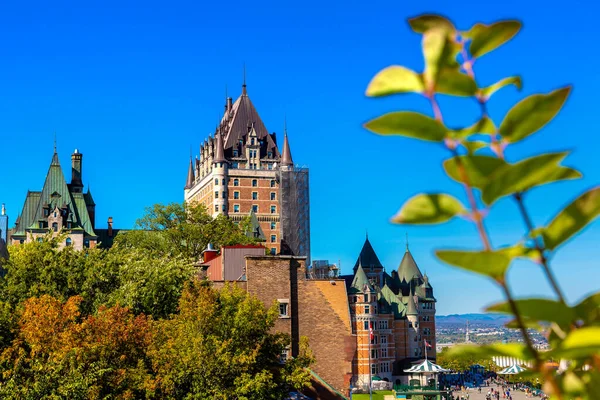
[407, 388]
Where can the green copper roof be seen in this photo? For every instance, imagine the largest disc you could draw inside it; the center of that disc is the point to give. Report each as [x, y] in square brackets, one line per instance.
[360, 283]
[408, 268]
[255, 229]
[55, 194]
[392, 301]
[367, 257]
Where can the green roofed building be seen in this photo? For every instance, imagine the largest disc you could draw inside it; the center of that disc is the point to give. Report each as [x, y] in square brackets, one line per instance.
[393, 317]
[62, 208]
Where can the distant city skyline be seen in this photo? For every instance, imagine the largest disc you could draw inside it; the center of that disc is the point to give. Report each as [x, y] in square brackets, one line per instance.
[133, 88]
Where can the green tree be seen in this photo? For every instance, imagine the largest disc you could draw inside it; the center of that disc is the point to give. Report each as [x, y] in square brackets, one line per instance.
[221, 346]
[480, 164]
[183, 230]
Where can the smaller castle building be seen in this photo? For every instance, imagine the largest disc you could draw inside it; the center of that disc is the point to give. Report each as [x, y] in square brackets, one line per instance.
[61, 208]
[393, 316]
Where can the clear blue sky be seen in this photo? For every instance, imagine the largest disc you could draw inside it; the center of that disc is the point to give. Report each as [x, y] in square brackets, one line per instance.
[134, 84]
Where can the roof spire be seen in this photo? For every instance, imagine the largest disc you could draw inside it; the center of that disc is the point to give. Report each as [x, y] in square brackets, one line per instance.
[366, 234]
[286, 154]
[244, 92]
[190, 176]
[55, 141]
[55, 154]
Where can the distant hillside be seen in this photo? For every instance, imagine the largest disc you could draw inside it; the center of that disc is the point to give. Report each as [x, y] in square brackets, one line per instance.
[474, 319]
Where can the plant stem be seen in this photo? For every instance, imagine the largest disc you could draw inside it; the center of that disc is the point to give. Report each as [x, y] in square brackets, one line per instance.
[539, 247]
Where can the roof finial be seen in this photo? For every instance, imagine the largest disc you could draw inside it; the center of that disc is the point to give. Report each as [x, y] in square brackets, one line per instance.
[367, 234]
[55, 141]
[406, 241]
[244, 84]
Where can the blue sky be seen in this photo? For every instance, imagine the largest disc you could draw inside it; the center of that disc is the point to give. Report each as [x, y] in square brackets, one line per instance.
[134, 84]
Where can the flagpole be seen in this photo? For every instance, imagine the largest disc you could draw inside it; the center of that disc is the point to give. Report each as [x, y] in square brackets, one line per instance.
[370, 383]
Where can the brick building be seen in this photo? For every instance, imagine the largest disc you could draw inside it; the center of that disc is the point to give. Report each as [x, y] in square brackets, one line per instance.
[317, 309]
[61, 208]
[399, 310]
[240, 171]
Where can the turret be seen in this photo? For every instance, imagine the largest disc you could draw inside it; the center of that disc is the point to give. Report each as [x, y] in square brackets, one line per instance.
[220, 174]
[190, 176]
[286, 155]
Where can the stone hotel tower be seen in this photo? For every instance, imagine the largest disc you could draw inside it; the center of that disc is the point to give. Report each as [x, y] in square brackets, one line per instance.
[241, 172]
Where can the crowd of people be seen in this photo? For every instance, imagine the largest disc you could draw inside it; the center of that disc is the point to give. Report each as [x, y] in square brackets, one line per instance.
[497, 388]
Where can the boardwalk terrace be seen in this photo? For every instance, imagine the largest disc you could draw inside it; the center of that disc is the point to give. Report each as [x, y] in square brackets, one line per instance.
[240, 171]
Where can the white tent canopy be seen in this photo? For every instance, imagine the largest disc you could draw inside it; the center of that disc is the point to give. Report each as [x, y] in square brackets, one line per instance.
[426, 367]
[512, 370]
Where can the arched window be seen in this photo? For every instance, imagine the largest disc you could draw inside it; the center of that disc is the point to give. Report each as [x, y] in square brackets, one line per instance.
[68, 242]
[236, 182]
[55, 226]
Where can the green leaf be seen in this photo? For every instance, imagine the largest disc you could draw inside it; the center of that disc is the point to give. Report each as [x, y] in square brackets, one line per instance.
[487, 263]
[453, 82]
[393, 80]
[478, 168]
[515, 350]
[531, 114]
[485, 38]
[410, 124]
[521, 251]
[439, 53]
[473, 146]
[580, 343]
[542, 310]
[425, 22]
[487, 92]
[526, 174]
[429, 209]
[484, 126]
[588, 310]
[572, 219]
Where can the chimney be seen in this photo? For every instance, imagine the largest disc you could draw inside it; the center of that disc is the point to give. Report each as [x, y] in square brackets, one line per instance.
[229, 105]
[76, 182]
[110, 227]
[210, 253]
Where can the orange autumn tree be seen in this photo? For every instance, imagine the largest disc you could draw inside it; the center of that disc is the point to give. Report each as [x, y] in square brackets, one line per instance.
[58, 353]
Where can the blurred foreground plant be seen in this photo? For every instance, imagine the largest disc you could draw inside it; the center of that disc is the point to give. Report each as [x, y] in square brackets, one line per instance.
[478, 163]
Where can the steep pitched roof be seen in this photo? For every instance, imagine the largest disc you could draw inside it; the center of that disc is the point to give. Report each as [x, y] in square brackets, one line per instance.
[360, 283]
[367, 257]
[243, 115]
[219, 151]
[255, 229]
[286, 158]
[190, 176]
[392, 301]
[411, 307]
[28, 213]
[408, 268]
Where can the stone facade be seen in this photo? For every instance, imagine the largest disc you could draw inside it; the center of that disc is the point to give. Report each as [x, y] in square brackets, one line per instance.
[239, 172]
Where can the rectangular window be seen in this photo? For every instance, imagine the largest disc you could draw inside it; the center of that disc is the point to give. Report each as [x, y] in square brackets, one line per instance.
[236, 208]
[236, 182]
[272, 182]
[272, 195]
[269, 166]
[235, 153]
[273, 209]
[269, 154]
[236, 195]
[216, 195]
[216, 207]
[384, 353]
[273, 225]
[254, 195]
[383, 324]
[367, 310]
[254, 183]
[366, 326]
[216, 181]
[273, 238]
[373, 369]
[283, 356]
[255, 208]
[373, 354]
[235, 165]
[273, 251]
[283, 308]
[374, 340]
[383, 339]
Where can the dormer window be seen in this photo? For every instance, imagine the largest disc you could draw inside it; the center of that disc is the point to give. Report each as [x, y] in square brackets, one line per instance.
[252, 141]
[46, 212]
[235, 153]
[270, 154]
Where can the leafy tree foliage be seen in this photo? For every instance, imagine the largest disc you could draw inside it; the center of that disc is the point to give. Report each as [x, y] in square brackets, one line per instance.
[462, 362]
[58, 354]
[184, 230]
[220, 346]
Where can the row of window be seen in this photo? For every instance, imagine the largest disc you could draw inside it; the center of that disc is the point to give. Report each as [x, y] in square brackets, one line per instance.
[426, 318]
[427, 306]
[236, 195]
[236, 182]
[375, 353]
[236, 208]
[68, 242]
[365, 298]
[381, 339]
[380, 368]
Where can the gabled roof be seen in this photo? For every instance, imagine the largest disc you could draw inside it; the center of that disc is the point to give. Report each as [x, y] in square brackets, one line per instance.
[367, 257]
[360, 283]
[408, 268]
[243, 116]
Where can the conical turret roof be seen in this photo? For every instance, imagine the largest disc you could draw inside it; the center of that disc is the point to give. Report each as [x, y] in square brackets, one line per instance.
[360, 283]
[411, 307]
[190, 176]
[408, 268]
[367, 257]
[286, 154]
[219, 150]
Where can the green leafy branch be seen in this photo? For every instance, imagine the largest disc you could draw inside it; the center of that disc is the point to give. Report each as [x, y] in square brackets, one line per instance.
[480, 166]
